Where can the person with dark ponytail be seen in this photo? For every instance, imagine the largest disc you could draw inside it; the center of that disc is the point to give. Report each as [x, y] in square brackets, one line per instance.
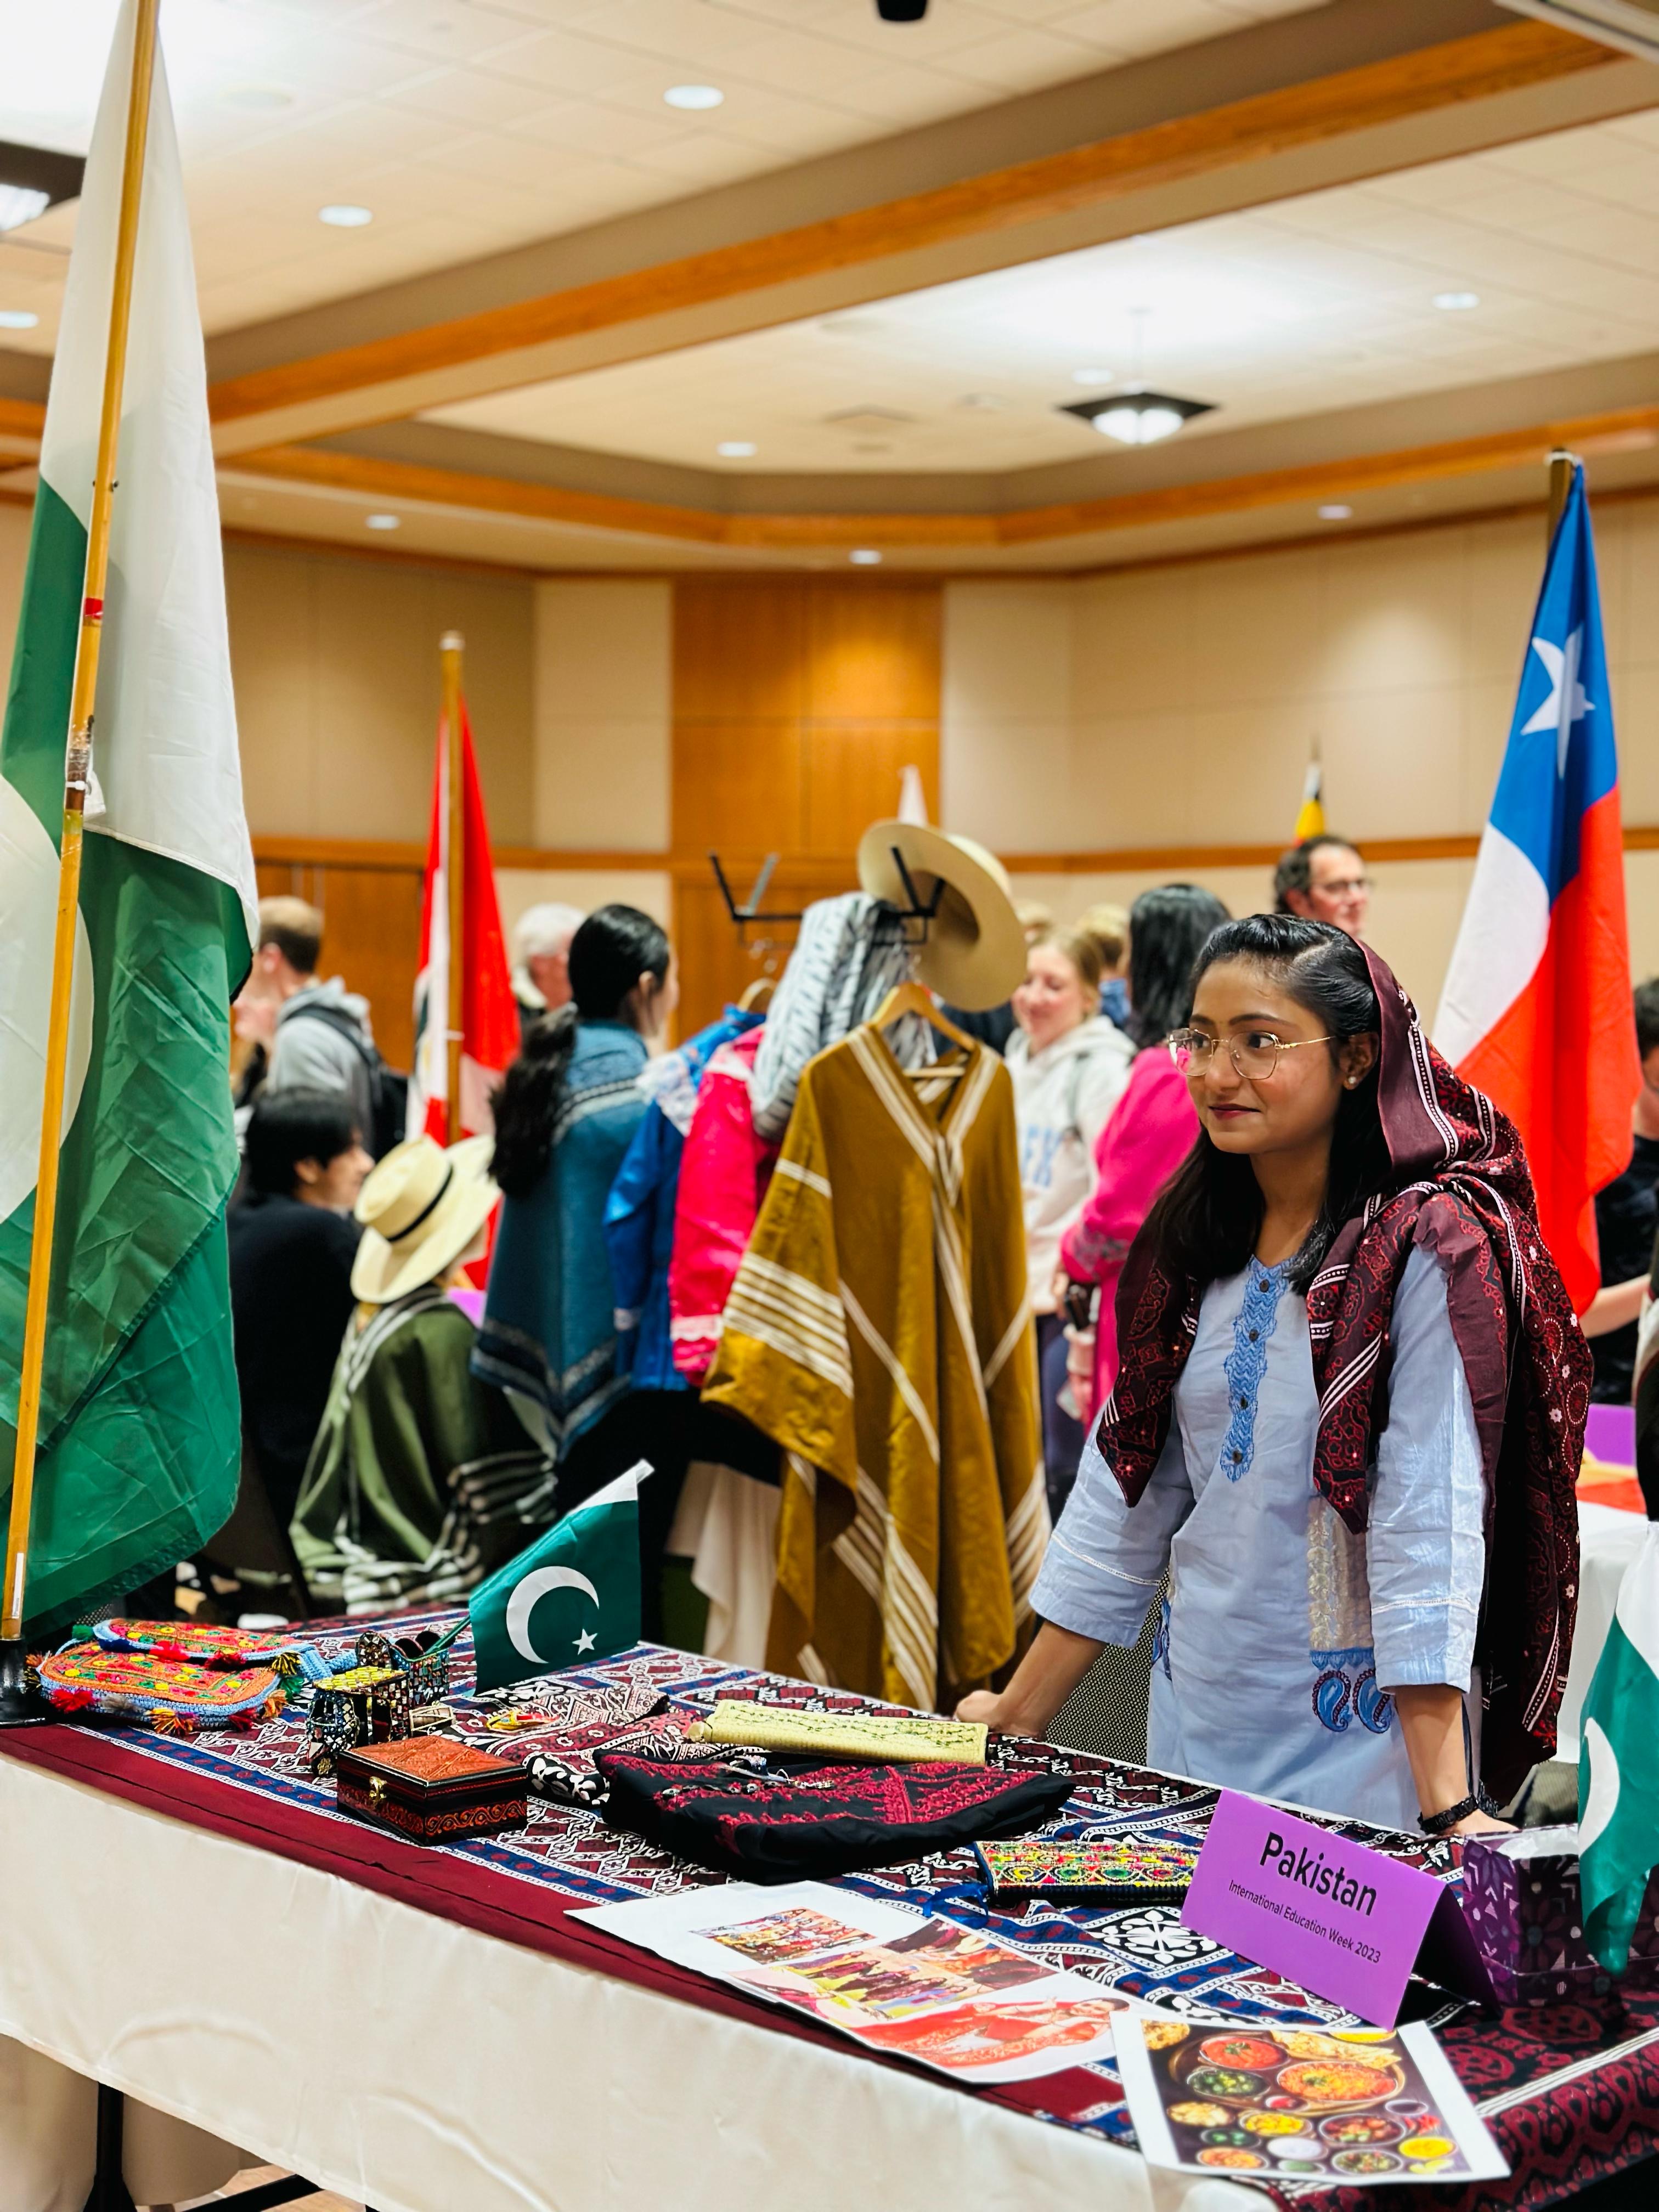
[565, 1113]
[1348, 1418]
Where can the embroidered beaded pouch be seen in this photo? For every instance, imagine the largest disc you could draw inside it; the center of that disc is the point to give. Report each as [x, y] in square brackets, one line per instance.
[203, 1643]
[1127, 1869]
[175, 1697]
[431, 1789]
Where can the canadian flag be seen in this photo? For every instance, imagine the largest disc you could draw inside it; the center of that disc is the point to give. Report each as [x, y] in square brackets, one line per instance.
[489, 1017]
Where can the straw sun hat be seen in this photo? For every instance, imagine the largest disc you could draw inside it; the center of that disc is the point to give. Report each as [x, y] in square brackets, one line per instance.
[421, 1206]
[974, 952]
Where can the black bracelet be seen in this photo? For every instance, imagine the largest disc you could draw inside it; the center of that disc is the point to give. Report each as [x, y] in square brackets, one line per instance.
[1440, 1824]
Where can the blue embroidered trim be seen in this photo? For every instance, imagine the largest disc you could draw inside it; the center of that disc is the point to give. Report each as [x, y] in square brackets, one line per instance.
[1347, 1691]
[1246, 1362]
[1161, 1641]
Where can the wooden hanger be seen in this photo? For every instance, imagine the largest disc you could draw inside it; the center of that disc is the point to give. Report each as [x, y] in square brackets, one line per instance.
[756, 993]
[910, 997]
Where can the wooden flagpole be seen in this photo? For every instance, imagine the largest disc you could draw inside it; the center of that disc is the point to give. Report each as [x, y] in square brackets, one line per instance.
[450, 648]
[76, 773]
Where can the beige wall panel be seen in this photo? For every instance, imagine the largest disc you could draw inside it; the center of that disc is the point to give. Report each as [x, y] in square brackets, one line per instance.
[14, 523]
[337, 691]
[603, 654]
[271, 598]
[1008, 783]
[1131, 784]
[649, 889]
[1008, 653]
[1641, 893]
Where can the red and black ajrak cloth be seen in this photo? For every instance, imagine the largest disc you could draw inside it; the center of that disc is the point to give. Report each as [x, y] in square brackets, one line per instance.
[1465, 1194]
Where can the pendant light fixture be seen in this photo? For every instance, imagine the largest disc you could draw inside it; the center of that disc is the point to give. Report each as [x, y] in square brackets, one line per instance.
[1136, 416]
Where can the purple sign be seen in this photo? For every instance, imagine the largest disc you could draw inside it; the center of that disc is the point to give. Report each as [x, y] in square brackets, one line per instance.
[1342, 1922]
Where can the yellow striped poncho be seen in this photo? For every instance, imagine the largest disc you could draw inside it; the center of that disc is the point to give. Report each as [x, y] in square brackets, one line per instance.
[878, 1331]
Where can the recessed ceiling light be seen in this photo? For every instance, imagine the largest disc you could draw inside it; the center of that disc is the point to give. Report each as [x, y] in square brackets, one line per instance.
[383, 522]
[1139, 418]
[1455, 303]
[1336, 510]
[865, 556]
[344, 216]
[736, 449]
[693, 95]
[17, 318]
[1094, 376]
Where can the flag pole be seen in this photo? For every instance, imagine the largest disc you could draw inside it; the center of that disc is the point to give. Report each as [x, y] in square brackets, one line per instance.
[1562, 465]
[77, 769]
[450, 648]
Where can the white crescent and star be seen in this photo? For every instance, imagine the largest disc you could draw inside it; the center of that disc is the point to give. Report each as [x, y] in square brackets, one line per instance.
[523, 1601]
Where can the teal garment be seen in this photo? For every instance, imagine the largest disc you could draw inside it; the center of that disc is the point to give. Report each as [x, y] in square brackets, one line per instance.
[548, 1335]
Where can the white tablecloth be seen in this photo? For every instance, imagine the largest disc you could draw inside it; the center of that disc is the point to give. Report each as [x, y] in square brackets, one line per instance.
[419, 2066]
[1607, 1541]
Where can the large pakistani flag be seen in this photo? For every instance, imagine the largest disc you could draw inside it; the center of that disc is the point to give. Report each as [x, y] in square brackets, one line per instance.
[1619, 1766]
[139, 1427]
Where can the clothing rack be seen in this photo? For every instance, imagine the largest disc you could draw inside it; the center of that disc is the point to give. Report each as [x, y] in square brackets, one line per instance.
[911, 921]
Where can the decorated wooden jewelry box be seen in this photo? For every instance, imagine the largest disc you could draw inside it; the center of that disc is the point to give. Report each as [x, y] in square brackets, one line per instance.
[432, 1789]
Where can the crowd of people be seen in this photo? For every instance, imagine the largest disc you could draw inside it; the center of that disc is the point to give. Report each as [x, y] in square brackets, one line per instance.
[410, 1427]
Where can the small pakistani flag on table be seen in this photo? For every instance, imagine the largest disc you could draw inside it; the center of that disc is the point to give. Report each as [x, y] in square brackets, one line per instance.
[1619, 1766]
[573, 1595]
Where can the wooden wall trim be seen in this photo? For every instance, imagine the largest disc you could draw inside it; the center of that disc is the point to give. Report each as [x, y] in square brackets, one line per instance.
[811, 873]
[1457, 71]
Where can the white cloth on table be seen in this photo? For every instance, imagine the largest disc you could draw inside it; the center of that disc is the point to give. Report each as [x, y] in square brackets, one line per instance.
[417, 2065]
[48, 2137]
[726, 1524]
[1283, 1629]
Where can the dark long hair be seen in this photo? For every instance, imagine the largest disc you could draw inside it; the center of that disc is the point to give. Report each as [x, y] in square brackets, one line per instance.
[1167, 932]
[614, 947]
[1206, 1223]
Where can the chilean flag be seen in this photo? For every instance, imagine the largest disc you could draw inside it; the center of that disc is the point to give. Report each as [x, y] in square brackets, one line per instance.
[1537, 1005]
[489, 1014]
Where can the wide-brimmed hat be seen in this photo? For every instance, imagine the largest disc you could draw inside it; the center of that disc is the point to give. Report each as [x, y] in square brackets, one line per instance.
[421, 1206]
[975, 950]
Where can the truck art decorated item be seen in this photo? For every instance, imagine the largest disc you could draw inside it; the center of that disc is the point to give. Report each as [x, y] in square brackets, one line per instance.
[175, 1697]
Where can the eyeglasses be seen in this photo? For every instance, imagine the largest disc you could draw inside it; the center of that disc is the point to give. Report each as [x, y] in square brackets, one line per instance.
[1254, 1055]
[1345, 887]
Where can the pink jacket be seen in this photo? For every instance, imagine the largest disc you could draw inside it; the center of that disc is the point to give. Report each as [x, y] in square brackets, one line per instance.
[723, 1177]
[1149, 1133]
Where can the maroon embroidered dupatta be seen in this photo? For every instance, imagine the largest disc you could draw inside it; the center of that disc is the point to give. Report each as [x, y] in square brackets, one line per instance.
[1466, 1197]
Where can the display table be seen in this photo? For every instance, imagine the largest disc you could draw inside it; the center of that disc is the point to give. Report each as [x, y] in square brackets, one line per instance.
[429, 2029]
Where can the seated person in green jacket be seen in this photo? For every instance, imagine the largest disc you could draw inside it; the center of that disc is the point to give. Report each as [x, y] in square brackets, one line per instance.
[381, 1522]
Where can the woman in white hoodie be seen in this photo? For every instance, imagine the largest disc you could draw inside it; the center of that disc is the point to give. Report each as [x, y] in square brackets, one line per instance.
[1070, 1066]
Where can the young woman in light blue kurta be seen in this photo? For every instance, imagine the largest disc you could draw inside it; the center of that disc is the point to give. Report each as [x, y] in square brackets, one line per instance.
[1306, 1654]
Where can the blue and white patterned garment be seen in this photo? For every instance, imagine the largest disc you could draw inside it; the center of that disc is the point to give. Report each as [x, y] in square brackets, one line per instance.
[1284, 1631]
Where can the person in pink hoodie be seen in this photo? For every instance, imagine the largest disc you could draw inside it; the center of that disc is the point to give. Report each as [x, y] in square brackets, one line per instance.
[1150, 1133]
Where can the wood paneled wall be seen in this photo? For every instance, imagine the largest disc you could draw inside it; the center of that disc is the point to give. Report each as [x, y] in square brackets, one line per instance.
[797, 703]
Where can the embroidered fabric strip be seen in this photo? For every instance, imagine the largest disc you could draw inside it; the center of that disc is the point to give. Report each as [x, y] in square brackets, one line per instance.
[1247, 1363]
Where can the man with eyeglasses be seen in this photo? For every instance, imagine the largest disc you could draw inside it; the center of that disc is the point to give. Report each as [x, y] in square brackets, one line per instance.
[1323, 878]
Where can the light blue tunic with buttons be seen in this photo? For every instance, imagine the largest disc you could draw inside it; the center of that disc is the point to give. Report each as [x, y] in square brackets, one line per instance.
[1284, 1631]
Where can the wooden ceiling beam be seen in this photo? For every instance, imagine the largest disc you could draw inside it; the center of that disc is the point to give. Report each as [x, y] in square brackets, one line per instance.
[388, 377]
[361, 476]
